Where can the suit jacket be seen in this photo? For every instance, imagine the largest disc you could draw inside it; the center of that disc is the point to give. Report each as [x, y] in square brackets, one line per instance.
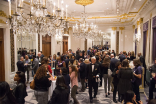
[82, 70]
[67, 62]
[35, 64]
[122, 57]
[29, 62]
[92, 74]
[113, 63]
[20, 66]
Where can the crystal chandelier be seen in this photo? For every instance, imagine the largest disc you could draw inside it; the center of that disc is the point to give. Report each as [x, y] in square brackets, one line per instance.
[40, 20]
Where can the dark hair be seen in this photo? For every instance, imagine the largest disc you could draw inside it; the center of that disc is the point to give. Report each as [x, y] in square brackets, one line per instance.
[117, 64]
[22, 79]
[81, 60]
[44, 61]
[74, 57]
[64, 71]
[136, 62]
[153, 101]
[34, 56]
[58, 53]
[129, 96]
[50, 56]
[62, 58]
[125, 63]
[60, 81]
[97, 58]
[67, 57]
[4, 89]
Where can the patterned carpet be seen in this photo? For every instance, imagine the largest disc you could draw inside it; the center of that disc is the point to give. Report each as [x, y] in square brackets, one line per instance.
[83, 97]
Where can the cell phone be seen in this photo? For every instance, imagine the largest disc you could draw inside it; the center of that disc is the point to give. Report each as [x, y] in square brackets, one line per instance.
[53, 68]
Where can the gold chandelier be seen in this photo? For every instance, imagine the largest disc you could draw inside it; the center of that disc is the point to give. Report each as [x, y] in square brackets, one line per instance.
[84, 2]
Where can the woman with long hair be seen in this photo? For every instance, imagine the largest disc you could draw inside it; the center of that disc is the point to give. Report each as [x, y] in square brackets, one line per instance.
[104, 70]
[129, 55]
[130, 98]
[73, 61]
[6, 96]
[125, 76]
[20, 90]
[42, 84]
[137, 81]
[116, 80]
[132, 55]
[61, 93]
[74, 82]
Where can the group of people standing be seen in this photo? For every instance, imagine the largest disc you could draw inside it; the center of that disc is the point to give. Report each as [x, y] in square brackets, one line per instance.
[91, 68]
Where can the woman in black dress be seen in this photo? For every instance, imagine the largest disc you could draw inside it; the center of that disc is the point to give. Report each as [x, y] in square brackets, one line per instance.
[125, 76]
[116, 80]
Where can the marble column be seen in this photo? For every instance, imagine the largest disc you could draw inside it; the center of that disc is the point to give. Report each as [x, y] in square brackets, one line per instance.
[113, 38]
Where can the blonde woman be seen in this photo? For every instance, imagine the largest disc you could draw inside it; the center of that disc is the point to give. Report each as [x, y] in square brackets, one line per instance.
[132, 55]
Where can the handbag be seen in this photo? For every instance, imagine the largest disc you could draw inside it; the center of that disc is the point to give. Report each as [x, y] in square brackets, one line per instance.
[109, 72]
[32, 84]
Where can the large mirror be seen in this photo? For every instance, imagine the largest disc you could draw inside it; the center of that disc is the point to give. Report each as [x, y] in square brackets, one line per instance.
[26, 44]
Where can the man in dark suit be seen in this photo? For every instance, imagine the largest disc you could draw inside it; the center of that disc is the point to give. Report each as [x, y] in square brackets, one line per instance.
[112, 67]
[122, 56]
[82, 74]
[20, 65]
[113, 62]
[92, 73]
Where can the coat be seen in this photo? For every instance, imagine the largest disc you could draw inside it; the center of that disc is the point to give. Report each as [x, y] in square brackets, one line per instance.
[115, 77]
[60, 95]
[92, 74]
[20, 93]
[82, 70]
[113, 63]
[125, 75]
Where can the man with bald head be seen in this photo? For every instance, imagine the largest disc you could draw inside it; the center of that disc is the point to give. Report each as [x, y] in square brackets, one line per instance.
[40, 56]
[92, 73]
[20, 65]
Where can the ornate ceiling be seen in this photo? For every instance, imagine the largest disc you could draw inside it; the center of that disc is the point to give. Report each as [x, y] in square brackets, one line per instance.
[107, 11]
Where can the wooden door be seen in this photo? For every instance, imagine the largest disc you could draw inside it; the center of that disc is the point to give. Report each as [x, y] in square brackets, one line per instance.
[46, 45]
[2, 68]
[65, 44]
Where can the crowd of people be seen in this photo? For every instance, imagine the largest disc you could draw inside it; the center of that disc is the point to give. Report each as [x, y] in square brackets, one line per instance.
[94, 68]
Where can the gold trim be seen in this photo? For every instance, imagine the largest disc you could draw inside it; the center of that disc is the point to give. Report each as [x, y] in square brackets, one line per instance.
[70, 28]
[2, 14]
[132, 12]
[26, 2]
[141, 20]
[121, 28]
[114, 28]
[142, 6]
[1, 21]
[151, 15]
[84, 2]
[133, 26]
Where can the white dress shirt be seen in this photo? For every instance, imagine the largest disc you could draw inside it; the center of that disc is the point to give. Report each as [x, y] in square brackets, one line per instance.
[93, 68]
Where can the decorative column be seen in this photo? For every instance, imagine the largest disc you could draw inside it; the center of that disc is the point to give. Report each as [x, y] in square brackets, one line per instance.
[140, 35]
[133, 38]
[140, 47]
[113, 38]
[12, 51]
[122, 39]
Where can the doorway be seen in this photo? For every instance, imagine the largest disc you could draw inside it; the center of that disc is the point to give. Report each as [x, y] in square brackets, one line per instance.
[2, 70]
[65, 44]
[46, 45]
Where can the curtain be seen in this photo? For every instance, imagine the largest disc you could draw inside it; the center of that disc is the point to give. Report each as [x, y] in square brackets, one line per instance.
[135, 41]
[154, 43]
[144, 43]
